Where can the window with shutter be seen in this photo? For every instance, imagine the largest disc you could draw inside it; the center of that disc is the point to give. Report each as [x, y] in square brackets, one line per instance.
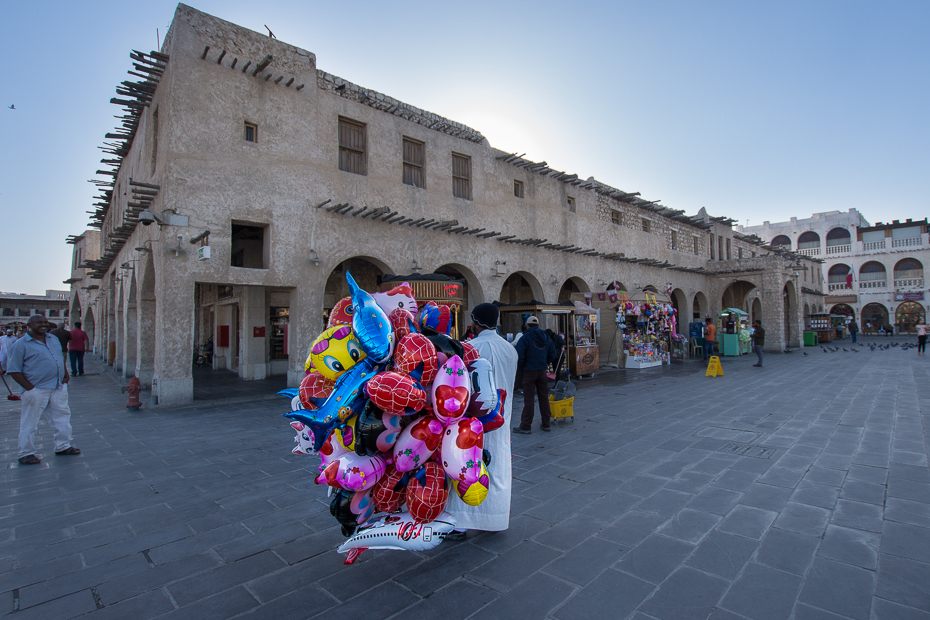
[352, 146]
[414, 163]
[461, 176]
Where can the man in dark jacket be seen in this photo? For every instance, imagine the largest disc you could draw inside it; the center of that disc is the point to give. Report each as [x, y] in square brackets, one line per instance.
[534, 354]
[758, 341]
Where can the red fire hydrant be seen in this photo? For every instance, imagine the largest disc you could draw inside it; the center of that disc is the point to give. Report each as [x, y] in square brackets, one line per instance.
[133, 389]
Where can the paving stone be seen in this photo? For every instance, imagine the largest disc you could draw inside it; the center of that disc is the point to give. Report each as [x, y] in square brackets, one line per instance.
[747, 521]
[909, 489]
[664, 502]
[787, 551]
[686, 594]
[782, 477]
[132, 585]
[64, 607]
[506, 571]
[690, 482]
[222, 605]
[612, 595]
[457, 600]
[840, 588]
[905, 540]
[722, 554]
[863, 473]
[766, 496]
[735, 480]
[905, 511]
[295, 605]
[863, 492]
[886, 610]
[535, 598]
[909, 472]
[850, 546]
[612, 506]
[644, 485]
[79, 580]
[803, 519]
[716, 500]
[219, 579]
[713, 464]
[812, 494]
[858, 515]
[689, 525]
[521, 528]
[586, 561]
[441, 570]
[655, 558]
[632, 527]
[762, 593]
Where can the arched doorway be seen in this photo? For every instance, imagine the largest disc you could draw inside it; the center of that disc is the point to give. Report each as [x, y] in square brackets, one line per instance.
[781, 241]
[366, 272]
[680, 303]
[756, 314]
[908, 315]
[473, 293]
[908, 273]
[837, 277]
[844, 309]
[872, 275]
[145, 365]
[89, 328]
[809, 243]
[734, 296]
[131, 341]
[792, 337]
[874, 317]
[572, 285]
[521, 287]
[699, 307]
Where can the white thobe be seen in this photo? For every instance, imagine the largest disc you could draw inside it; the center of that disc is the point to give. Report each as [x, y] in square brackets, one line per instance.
[493, 515]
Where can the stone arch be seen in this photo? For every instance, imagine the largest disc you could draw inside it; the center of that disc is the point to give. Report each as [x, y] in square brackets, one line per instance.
[89, 325]
[699, 307]
[809, 241]
[838, 236]
[680, 303]
[781, 241]
[836, 276]
[145, 361]
[907, 316]
[873, 316]
[756, 313]
[521, 287]
[572, 285]
[474, 294]
[118, 333]
[807, 309]
[131, 327]
[908, 273]
[844, 309]
[75, 313]
[792, 335]
[365, 270]
[735, 295]
[872, 275]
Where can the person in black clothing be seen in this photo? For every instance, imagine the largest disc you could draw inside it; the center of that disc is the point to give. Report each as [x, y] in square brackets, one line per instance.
[758, 340]
[559, 343]
[534, 353]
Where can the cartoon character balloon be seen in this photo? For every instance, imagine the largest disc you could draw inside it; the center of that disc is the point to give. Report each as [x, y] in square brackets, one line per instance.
[435, 318]
[351, 509]
[403, 323]
[331, 450]
[304, 439]
[451, 391]
[401, 296]
[376, 431]
[396, 393]
[462, 451]
[475, 493]
[314, 390]
[427, 493]
[416, 356]
[484, 395]
[417, 443]
[469, 353]
[352, 472]
[398, 531]
[335, 351]
[387, 495]
[370, 324]
[342, 312]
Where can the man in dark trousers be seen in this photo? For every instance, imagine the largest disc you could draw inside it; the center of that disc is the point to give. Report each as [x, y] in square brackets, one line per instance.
[534, 354]
[758, 341]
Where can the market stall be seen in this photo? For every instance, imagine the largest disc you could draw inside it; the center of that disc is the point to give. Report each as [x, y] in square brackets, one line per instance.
[838, 321]
[733, 332]
[435, 287]
[649, 325]
[583, 353]
[822, 324]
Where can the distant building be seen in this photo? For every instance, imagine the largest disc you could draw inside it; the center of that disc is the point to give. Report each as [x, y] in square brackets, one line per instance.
[872, 273]
[16, 308]
[244, 182]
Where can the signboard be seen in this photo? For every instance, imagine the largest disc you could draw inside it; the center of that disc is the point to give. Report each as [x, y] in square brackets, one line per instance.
[918, 296]
[840, 299]
[258, 332]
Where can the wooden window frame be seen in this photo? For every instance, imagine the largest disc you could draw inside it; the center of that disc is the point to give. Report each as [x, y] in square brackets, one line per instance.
[347, 149]
[674, 239]
[570, 203]
[696, 245]
[616, 217]
[461, 179]
[254, 129]
[646, 225]
[413, 169]
[519, 189]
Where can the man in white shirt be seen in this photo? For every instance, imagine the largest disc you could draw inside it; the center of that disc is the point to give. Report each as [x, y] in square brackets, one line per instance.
[493, 514]
[6, 341]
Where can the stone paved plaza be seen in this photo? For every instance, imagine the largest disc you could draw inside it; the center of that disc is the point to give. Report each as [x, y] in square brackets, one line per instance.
[799, 490]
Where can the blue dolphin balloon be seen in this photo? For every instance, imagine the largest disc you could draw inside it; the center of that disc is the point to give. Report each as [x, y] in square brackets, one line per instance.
[348, 398]
[371, 325]
[289, 392]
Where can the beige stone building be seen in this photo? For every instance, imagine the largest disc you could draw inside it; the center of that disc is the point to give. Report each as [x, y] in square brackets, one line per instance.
[245, 181]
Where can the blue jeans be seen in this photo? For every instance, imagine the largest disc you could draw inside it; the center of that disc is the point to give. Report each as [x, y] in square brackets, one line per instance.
[853, 334]
[708, 349]
[77, 362]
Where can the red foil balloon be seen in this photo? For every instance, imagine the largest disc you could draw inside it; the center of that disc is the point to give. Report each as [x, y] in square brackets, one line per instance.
[393, 392]
[342, 312]
[386, 498]
[314, 385]
[416, 356]
[403, 323]
[427, 493]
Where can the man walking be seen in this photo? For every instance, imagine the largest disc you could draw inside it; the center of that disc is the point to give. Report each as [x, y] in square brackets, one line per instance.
[493, 514]
[534, 353]
[63, 334]
[710, 338]
[853, 329]
[36, 363]
[6, 341]
[76, 348]
[758, 340]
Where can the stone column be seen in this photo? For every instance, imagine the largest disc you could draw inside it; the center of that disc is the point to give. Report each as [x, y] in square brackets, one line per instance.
[145, 363]
[173, 355]
[252, 305]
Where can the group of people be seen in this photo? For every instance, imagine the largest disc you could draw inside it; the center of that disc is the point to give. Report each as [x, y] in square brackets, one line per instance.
[710, 339]
[36, 361]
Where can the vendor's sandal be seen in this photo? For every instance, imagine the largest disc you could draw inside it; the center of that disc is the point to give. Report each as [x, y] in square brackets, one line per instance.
[32, 459]
[72, 451]
[456, 536]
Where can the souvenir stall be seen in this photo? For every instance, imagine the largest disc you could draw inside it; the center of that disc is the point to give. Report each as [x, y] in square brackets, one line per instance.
[583, 352]
[443, 290]
[822, 324]
[649, 325]
[838, 321]
[733, 332]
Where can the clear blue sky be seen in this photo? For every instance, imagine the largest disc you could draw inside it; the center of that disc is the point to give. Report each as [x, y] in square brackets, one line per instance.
[756, 110]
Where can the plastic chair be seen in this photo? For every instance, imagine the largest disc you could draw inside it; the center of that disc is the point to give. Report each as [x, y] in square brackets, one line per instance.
[696, 349]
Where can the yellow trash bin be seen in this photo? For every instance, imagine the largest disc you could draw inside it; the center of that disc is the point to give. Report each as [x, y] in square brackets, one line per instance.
[561, 409]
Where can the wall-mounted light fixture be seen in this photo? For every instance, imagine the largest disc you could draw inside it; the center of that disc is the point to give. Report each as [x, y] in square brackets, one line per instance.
[315, 259]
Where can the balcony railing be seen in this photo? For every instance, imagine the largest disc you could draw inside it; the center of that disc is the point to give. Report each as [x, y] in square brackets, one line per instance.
[810, 252]
[838, 286]
[903, 243]
[839, 249]
[873, 284]
[909, 283]
[873, 245]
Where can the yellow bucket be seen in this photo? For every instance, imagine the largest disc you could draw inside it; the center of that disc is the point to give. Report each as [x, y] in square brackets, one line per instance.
[561, 408]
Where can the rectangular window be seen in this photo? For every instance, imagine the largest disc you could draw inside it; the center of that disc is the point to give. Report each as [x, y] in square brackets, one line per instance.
[719, 248]
[518, 188]
[251, 132]
[728, 248]
[571, 204]
[461, 176]
[53, 312]
[645, 225]
[248, 246]
[616, 217]
[674, 240]
[712, 246]
[695, 239]
[414, 162]
[739, 252]
[352, 146]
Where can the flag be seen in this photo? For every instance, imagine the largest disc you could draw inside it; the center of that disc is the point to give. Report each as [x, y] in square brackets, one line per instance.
[849, 280]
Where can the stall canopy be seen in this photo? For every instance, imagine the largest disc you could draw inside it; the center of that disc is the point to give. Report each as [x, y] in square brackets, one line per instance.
[735, 311]
[583, 308]
[538, 306]
[650, 298]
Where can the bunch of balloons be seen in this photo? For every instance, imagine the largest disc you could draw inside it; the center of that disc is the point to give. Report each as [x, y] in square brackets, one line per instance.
[397, 411]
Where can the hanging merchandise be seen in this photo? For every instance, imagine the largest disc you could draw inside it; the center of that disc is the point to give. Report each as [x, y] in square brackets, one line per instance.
[650, 325]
